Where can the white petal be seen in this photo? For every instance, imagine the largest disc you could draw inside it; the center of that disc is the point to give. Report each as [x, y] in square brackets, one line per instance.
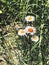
[26, 30]
[33, 18]
[34, 39]
[21, 34]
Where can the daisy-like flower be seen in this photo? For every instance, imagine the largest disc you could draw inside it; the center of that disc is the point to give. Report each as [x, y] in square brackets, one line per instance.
[30, 29]
[21, 32]
[30, 18]
[35, 38]
[0, 12]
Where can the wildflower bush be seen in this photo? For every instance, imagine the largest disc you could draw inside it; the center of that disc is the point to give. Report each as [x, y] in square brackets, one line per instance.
[24, 34]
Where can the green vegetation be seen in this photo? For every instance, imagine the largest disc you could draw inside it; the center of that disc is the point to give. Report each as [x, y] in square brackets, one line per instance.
[14, 49]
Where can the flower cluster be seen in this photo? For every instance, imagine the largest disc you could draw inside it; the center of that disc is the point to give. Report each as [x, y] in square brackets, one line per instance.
[29, 29]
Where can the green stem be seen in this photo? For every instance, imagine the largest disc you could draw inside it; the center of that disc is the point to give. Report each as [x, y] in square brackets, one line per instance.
[40, 54]
[40, 46]
[30, 50]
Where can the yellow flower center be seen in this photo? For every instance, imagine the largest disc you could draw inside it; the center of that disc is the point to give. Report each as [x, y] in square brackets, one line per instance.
[35, 37]
[29, 18]
[22, 31]
[30, 30]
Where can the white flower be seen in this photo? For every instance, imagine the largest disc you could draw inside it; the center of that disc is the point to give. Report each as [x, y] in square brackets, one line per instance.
[30, 29]
[21, 32]
[35, 38]
[0, 12]
[30, 18]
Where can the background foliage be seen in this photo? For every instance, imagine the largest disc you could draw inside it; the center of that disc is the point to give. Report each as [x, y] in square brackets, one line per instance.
[12, 49]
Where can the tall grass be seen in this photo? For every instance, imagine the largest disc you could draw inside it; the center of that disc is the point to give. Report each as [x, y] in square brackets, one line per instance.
[13, 49]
